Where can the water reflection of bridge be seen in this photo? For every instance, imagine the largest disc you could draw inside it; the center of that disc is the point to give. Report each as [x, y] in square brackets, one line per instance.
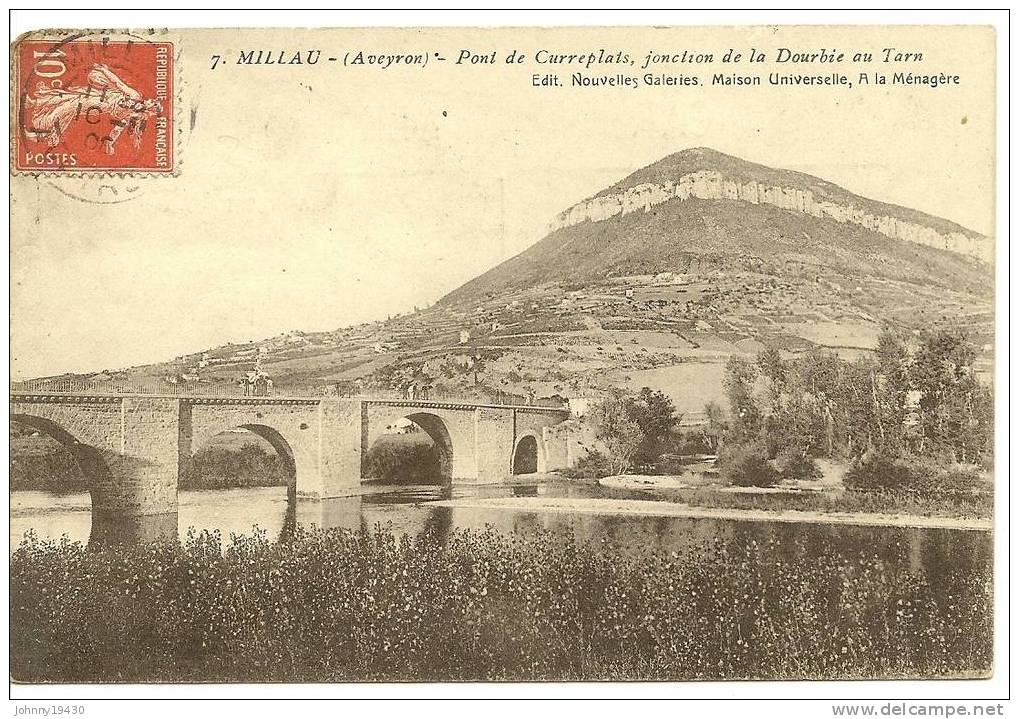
[131, 447]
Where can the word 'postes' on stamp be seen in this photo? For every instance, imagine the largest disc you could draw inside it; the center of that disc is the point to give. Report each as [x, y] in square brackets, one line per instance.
[86, 105]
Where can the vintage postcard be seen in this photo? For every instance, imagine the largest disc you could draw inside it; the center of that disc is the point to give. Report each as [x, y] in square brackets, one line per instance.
[560, 354]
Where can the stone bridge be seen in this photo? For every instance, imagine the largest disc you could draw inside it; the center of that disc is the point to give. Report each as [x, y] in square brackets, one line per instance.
[133, 447]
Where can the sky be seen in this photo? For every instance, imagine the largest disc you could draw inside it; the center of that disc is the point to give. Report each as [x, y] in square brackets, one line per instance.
[318, 197]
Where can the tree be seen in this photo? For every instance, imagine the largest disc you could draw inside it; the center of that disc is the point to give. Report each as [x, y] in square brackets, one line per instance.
[477, 365]
[979, 444]
[655, 414]
[822, 384]
[617, 429]
[950, 397]
[635, 428]
[854, 415]
[776, 372]
[819, 405]
[714, 431]
[740, 377]
[889, 386]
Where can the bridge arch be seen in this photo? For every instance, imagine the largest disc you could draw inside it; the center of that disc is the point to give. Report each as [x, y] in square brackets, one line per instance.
[389, 458]
[90, 459]
[261, 508]
[528, 454]
[272, 436]
[283, 450]
[449, 430]
[436, 428]
[95, 468]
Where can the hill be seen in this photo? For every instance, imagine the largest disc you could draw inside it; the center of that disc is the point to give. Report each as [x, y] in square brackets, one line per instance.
[700, 159]
[712, 211]
[655, 280]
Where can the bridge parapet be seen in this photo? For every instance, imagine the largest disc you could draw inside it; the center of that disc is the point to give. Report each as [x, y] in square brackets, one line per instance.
[278, 399]
[248, 401]
[230, 391]
[461, 405]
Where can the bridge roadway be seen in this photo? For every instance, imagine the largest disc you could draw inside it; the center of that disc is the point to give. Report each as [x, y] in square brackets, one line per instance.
[132, 447]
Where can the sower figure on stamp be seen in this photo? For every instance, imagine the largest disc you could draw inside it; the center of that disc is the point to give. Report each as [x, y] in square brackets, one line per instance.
[54, 109]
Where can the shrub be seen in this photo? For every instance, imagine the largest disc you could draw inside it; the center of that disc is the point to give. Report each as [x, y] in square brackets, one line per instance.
[51, 471]
[961, 478]
[469, 605]
[795, 463]
[876, 470]
[747, 466]
[967, 506]
[687, 443]
[404, 459]
[594, 465]
[220, 467]
[670, 464]
[933, 476]
[921, 475]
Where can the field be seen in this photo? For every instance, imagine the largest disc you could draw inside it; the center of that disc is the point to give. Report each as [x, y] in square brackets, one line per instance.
[478, 605]
[690, 385]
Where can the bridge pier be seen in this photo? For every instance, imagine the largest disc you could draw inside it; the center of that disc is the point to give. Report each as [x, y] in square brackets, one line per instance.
[112, 528]
[494, 439]
[147, 468]
[342, 425]
[127, 446]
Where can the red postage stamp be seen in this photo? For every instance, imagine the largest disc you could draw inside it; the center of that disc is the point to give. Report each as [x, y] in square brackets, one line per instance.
[94, 105]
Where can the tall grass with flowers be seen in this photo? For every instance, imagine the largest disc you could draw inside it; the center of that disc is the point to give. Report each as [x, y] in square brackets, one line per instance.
[478, 605]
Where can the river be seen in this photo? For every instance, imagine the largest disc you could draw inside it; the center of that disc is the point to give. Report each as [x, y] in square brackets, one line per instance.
[931, 552]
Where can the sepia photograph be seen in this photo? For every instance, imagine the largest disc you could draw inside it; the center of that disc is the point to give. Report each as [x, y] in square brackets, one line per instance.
[444, 356]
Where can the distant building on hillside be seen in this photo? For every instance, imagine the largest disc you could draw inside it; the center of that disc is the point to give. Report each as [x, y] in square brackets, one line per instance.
[401, 426]
[579, 406]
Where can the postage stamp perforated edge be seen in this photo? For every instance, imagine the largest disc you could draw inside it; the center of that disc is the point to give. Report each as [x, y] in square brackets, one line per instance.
[61, 35]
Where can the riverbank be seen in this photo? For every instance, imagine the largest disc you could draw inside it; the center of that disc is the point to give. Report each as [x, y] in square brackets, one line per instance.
[826, 496]
[676, 509]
